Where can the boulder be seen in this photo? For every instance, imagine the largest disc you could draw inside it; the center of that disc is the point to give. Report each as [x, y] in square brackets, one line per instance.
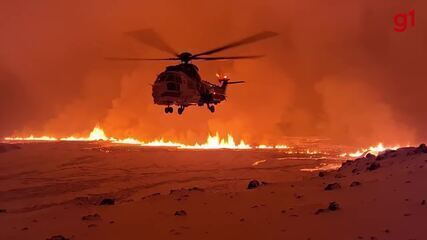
[181, 213]
[421, 149]
[253, 184]
[196, 189]
[107, 201]
[333, 206]
[57, 237]
[332, 186]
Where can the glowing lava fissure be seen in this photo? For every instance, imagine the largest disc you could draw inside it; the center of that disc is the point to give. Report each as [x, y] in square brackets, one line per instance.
[375, 150]
[97, 134]
[212, 142]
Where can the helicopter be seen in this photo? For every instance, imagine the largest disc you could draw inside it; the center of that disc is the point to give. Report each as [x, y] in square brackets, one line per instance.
[181, 84]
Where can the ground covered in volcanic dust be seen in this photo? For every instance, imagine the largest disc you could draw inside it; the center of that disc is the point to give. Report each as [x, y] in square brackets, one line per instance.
[96, 190]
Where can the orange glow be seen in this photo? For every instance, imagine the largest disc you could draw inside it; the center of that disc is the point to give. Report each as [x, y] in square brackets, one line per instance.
[212, 142]
[372, 149]
[31, 138]
[215, 142]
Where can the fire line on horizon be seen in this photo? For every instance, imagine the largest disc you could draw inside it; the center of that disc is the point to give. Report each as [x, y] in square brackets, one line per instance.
[212, 142]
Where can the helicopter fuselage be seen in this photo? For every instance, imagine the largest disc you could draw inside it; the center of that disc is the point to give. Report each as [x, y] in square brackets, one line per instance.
[181, 85]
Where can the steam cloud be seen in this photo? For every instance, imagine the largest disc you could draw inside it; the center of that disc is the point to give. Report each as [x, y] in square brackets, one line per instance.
[337, 70]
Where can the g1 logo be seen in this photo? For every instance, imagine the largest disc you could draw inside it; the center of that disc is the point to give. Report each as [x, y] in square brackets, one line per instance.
[401, 21]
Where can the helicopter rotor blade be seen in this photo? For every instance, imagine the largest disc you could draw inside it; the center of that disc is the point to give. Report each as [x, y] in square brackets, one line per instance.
[247, 40]
[152, 39]
[140, 59]
[226, 58]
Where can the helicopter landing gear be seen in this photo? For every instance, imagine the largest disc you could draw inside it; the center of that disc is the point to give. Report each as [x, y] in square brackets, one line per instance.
[181, 110]
[168, 109]
[211, 108]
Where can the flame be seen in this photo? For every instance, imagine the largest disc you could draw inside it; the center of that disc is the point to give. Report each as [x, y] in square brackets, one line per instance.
[375, 150]
[31, 138]
[212, 142]
[263, 146]
[281, 147]
[215, 142]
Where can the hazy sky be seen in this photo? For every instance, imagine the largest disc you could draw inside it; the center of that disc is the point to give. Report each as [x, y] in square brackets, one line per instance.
[337, 70]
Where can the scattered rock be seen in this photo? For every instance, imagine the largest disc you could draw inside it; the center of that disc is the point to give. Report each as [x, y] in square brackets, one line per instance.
[107, 201]
[333, 206]
[3, 210]
[24, 229]
[355, 184]
[196, 189]
[253, 184]
[407, 214]
[57, 237]
[91, 217]
[373, 166]
[322, 173]
[181, 213]
[423, 202]
[242, 219]
[92, 225]
[370, 156]
[387, 231]
[332, 186]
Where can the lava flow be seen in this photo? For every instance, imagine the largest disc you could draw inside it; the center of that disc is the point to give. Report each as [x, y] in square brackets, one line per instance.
[212, 142]
[375, 150]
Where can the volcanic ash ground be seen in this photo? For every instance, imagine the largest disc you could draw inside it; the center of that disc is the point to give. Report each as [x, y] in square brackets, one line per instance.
[92, 191]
